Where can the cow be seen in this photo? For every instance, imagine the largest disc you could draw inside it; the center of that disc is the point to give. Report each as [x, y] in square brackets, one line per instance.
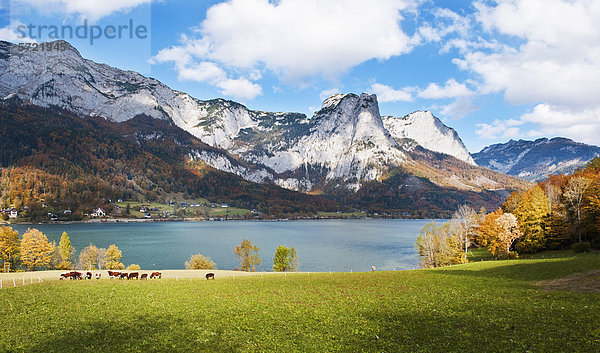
[133, 275]
[76, 275]
[64, 275]
[113, 274]
[210, 275]
[98, 275]
[123, 275]
[88, 275]
[155, 275]
[144, 276]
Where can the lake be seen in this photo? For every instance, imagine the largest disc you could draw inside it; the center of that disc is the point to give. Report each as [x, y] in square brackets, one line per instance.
[322, 245]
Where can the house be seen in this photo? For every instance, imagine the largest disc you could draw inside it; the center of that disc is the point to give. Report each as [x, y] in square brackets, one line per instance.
[99, 213]
[224, 205]
[13, 213]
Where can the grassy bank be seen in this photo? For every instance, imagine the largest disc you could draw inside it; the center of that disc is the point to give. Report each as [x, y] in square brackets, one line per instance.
[493, 306]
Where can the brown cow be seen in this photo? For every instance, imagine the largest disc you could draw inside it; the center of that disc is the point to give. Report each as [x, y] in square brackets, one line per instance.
[123, 275]
[88, 275]
[210, 275]
[113, 274]
[133, 275]
[144, 276]
[155, 275]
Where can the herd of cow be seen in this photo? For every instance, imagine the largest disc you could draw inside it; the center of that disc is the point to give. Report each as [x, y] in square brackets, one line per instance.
[111, 274]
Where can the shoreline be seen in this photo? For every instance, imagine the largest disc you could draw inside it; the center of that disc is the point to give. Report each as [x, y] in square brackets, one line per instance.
[142, 220]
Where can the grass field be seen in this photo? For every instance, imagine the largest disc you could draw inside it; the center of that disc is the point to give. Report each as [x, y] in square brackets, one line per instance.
[489, 306]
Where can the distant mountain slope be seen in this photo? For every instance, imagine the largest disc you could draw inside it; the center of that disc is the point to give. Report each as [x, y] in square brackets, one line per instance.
[535, 160]
[56, 157]
[344, 146]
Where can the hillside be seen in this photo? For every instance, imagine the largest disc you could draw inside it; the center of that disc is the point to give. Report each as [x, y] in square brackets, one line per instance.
[536, 160]
[53, 158]
[491, 306]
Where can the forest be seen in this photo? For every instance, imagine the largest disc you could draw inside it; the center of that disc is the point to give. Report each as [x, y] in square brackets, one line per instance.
[560, 212]
[52, 160]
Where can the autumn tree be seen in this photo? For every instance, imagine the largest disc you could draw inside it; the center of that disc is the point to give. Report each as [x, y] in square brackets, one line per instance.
[574, 194]
[286, 259]
[507, 232]
[9, 246]
[88, 258]
[488, 228]
[532, 214]
[36, 250]
[113, 258]
[465, 221]
[66, 253]
[101, 259]
[200, 262]
[294, 263]
[437, 246]
[248, 255]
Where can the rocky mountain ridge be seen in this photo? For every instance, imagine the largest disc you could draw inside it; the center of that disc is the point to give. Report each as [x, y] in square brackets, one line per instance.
[535, 160]
[344, 144]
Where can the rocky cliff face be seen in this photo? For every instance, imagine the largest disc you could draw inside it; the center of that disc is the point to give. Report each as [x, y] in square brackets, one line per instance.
[429, 132]
[346, 143]
[535, 160]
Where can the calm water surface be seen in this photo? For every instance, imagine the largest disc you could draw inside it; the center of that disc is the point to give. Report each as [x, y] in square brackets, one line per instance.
[322, 245]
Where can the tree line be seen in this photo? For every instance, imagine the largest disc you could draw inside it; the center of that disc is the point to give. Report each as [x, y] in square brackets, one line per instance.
[560, 212]
[285, 259]
[34, 252]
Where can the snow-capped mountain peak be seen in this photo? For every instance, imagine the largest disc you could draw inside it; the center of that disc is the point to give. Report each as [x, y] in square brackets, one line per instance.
[429, 132]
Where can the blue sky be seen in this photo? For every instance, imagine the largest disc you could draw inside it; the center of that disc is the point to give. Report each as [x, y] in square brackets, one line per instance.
[492, 70]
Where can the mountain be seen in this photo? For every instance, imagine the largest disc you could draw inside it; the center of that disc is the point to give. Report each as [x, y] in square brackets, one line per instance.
[344, 146]
[535, 160]
[54, 157]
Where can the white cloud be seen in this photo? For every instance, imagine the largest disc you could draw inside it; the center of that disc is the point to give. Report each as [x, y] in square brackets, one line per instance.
[499, 129]
[8, 34]
[328, 93]
[240, 88]
[388, 94]
[86, 9]
[556, 58]
[460, 108]
[451, 89]
[294, 39]
[582, 126]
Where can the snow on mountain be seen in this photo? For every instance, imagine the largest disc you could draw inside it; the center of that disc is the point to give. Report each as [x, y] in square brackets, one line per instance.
[345, 143]
[535, 160]
[429, 132]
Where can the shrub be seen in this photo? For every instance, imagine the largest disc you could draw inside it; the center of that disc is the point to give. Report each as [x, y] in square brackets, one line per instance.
[133, 267]
[200, 262]
[582, 247]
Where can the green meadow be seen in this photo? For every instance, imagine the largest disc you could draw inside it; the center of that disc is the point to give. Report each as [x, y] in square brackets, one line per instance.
[485, 306]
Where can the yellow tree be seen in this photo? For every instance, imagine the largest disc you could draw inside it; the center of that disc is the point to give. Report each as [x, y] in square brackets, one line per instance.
[66, 252]
[113, 258]
[200, 262]
[532, 214]
[507, 232]
[488, 229]
[248, 255]
[574, 194]
[36, 251]
[9, 246]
